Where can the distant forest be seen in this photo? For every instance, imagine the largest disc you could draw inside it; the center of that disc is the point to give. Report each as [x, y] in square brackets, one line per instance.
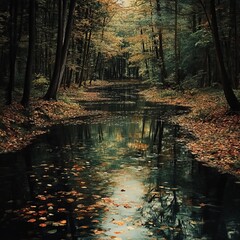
[46, 44]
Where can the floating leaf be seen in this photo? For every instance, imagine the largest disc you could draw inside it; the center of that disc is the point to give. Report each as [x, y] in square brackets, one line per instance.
[43, 225]
[84, 227]
[42, 212]
[70, 200]
[61, 210]
[95, 221]
[63, 222]
[53, 231]
[98, 231]
[119, 223]
[32, 220]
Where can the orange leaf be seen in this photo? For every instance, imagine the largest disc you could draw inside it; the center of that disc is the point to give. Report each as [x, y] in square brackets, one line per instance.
[32, 220]
[43, 225]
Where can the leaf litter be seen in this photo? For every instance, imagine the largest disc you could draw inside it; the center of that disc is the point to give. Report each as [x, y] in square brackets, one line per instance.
[216, 131]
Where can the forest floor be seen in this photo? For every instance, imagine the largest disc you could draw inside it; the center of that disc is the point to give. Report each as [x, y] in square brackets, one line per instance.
[215, 130]
[19, 126]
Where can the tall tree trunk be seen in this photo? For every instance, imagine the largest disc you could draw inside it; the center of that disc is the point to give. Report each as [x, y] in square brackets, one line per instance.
[64, 34]
[51, 93]
[97, 62]
[30, 59]
[176, 47]
[160, 45]
[87, 41]
[81, 77]
[227, 88]
[144, 50]
[233, 42]
[12, 50]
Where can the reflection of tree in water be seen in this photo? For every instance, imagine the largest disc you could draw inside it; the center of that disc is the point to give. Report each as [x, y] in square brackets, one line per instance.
[181, 200]
[160, 212]
[164, 210]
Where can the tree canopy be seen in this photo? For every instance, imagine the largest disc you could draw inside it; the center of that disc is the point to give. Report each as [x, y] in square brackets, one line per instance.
[174, 44]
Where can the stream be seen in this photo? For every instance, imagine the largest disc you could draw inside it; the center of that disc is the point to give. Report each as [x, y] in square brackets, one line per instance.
[122, 176]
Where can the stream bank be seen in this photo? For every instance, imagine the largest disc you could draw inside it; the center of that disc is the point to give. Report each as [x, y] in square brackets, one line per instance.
[216, 131]
[19, 126]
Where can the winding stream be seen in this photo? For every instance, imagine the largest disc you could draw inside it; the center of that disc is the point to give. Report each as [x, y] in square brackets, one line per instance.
[124, 176]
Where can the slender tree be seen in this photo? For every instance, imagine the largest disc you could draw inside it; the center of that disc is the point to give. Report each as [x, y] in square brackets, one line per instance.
[160, 45]
[227, 88]
[176, 47]
[30, 59]
[64, 35]
[12, 49]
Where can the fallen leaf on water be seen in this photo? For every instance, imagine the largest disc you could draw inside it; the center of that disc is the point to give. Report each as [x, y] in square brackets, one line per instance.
[61, 210]
[130, 228]
[97, 232]
[70, 200]
[52, 231]
[164, 227]
[42, 212]
[119, 223]
[41, 197]
[95, 221]
[63, 221]
[31, 212]
[84, 227]
[32, 220]
[50, 204]
[43, 225]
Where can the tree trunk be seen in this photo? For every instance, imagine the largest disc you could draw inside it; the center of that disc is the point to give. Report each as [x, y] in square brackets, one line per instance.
[144, 50]
[227, 88]
[233, 42]
[160, 45]
[52, 90]
[176, 47]
[30, 59]
[87, 40]
[12, 50]
[64, 34]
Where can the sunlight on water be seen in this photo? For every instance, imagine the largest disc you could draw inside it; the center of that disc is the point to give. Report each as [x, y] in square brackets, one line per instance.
[123, 218]
[124, 176]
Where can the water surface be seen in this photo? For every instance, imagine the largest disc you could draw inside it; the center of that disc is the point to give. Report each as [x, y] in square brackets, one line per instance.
[125, 176]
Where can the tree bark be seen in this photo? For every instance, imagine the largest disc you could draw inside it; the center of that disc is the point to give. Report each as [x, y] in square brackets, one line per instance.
[51, 92]
[30, 59]
[227, 88]
[176, 47]
[12, 50]
[160, 45]
[64, 34]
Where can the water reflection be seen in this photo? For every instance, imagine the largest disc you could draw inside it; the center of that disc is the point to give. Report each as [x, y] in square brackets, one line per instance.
[125, 177]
